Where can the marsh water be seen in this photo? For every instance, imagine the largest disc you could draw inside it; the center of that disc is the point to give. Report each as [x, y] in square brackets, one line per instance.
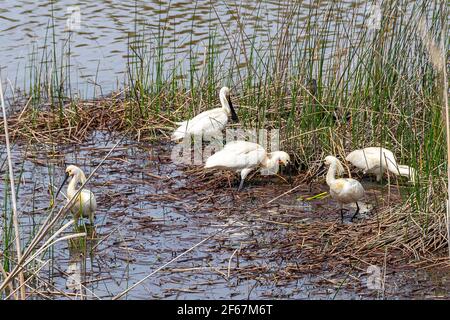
[150, 211]
[94, 37]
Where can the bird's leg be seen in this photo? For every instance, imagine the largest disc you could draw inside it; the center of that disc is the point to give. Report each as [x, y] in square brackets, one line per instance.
[241, 185]
[342, 213]
[244, 174]
[357, 211]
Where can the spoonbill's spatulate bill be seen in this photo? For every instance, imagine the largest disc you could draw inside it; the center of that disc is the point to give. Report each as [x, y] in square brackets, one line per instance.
[208, 123]
[85, 204]
[343, 190]
[243, 157]
[377, 160]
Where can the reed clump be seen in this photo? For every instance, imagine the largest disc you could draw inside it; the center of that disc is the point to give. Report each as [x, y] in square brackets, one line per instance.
[327, 86]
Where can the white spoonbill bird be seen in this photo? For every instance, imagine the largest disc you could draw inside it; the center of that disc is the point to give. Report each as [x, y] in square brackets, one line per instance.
[210, 122]
[85, 204]
[244, 156]
[343, 190]
[379, 160]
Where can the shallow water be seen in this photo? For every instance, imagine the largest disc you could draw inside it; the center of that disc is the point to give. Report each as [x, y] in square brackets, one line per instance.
[150, 211]
[99, 38]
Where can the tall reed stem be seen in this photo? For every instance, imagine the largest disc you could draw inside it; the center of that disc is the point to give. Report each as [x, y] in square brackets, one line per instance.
[447, 127]
[13, 193]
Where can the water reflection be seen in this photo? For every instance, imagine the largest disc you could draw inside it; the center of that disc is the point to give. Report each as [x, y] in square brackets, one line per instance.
[81, 254]
[73, 273]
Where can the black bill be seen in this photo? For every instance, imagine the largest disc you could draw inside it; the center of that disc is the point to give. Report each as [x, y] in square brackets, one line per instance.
[62, 184]
[318, 172]
[234, 116]
[321, 170]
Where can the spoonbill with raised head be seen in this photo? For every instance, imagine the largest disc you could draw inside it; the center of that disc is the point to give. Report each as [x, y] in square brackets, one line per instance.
[85, 204]
[343, 190]
[208, 123]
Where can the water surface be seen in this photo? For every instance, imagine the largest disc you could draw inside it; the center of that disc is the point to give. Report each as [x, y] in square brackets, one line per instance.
[150, 211]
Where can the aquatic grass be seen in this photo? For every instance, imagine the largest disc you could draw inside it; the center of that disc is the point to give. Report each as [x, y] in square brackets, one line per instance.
[307, 77]
[47, 79]
[46, 236]
[15, 219]
[438, 59]
[389, 91]
[328, 86]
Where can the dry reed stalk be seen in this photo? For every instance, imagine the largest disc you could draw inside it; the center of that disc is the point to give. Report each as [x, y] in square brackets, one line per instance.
[28, 279]
[22, 264]
[47, 225]
[2, 270]
[13, 193]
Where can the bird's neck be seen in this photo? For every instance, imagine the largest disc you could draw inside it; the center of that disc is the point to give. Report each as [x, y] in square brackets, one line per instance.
[406, 171]
[225, 104]
[331, 173]
[72, 188]
[271, 161]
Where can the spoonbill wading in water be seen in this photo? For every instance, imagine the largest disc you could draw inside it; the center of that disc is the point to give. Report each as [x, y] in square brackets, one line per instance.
[210, 122]
[244, 156]
[84, 205]
[343, 190]
[379, 160]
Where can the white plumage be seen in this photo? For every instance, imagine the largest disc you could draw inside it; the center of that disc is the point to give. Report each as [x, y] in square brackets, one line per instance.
[85, 204]
[208, 123]
[244, 156]
[377, 160]
[343, 190]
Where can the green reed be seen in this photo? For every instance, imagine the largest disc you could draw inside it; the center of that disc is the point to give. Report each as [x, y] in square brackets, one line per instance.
[48, 71]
